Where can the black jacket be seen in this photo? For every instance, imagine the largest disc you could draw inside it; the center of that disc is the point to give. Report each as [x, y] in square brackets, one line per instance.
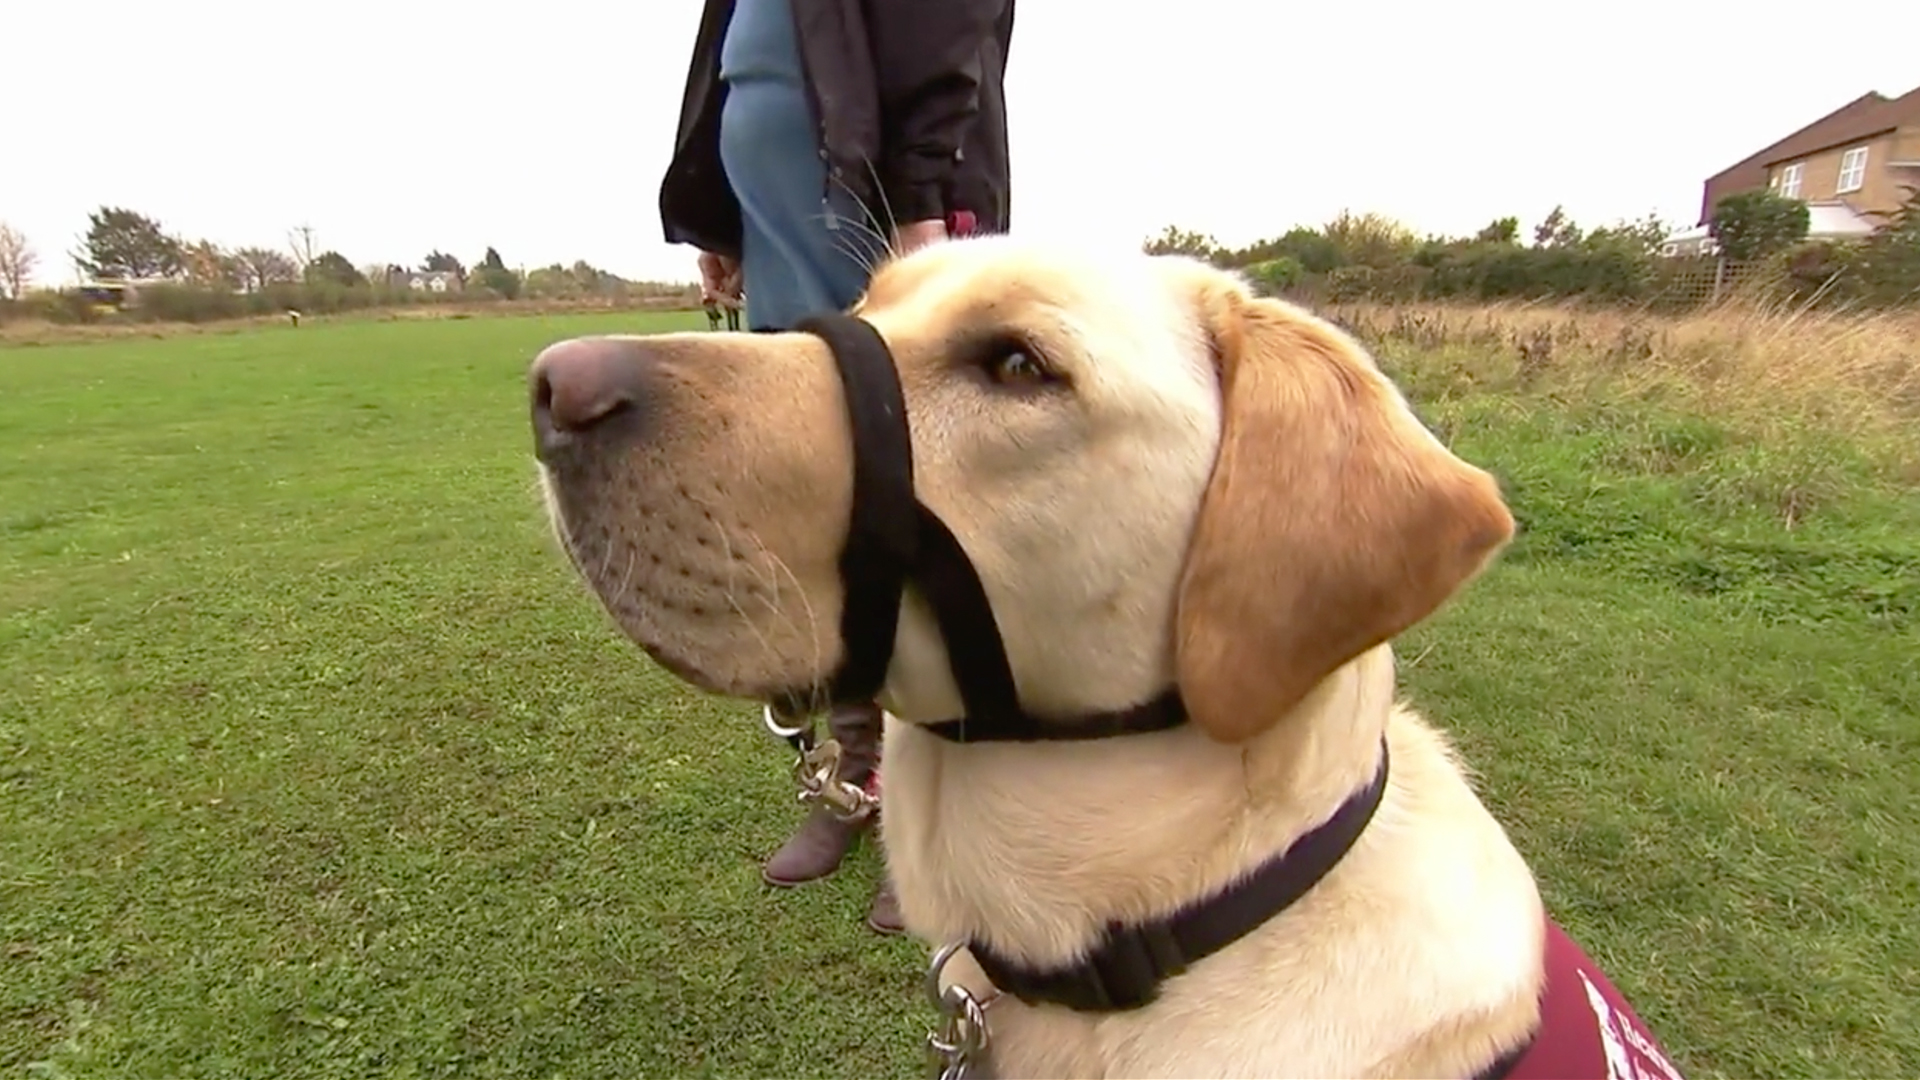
[906, 94]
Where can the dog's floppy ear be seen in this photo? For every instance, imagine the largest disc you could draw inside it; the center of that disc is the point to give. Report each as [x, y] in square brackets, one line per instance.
[1332, 522]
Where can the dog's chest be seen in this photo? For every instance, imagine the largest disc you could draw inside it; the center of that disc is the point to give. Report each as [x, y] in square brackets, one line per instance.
[1024, 838]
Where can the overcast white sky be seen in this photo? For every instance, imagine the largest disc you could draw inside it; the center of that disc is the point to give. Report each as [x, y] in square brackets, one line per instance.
[399, 126]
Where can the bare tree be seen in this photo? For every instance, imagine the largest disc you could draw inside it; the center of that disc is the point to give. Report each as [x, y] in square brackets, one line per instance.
[17, 260]
[300, 239]
[260, 267]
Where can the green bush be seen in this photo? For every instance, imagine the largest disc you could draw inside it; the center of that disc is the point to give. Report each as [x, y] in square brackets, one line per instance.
[1370, 239]
[1346, 284]
[1491, 270]
[64, 306]
[1888, 262]
[169, 302]
[177, 302]
[1275, 276]
[1313, 251]
[1369, 256]
[325, 297]
[1817, 270]
[1754, 224]
[1400, 282]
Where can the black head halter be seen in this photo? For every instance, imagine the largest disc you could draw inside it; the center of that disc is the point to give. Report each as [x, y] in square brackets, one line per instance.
[894, 540]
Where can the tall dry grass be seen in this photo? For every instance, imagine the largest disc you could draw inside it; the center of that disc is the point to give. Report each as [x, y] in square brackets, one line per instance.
[1773, 372]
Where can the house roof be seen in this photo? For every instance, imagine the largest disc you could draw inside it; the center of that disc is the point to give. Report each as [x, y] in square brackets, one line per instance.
[1865, 116]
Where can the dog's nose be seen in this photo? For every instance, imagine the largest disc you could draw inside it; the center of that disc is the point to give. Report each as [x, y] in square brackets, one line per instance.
[581, 384]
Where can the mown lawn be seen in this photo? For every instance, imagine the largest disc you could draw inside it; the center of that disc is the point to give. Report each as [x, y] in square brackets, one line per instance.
[315, 761]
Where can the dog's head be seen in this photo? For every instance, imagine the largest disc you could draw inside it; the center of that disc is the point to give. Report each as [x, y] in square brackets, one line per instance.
[1159, 477]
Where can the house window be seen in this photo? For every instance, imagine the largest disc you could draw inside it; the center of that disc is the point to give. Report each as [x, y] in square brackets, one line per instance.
[1853, 170]
[1789, 181]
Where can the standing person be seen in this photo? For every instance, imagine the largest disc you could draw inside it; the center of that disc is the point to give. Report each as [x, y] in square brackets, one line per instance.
[815, 135]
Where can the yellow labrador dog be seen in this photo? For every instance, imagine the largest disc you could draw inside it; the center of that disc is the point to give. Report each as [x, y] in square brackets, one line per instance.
[1162, 482]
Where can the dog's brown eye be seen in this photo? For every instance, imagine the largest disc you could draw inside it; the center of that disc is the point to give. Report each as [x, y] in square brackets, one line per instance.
[1014, 365]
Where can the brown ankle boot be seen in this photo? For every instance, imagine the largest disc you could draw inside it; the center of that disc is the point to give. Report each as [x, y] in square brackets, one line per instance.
[813, 851]
[822, 841]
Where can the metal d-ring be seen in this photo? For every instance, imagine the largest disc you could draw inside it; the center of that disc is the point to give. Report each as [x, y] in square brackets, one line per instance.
[941, 957]
[957, 1049]
[790, 734]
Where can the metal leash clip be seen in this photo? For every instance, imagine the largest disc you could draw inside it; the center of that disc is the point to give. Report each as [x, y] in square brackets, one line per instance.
[957, 1050]
[816, 772]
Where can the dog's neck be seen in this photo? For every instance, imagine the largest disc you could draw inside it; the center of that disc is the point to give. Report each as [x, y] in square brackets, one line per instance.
[1062, 838]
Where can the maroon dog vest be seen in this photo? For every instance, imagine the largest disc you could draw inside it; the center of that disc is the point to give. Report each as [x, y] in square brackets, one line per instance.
[1587, 1030]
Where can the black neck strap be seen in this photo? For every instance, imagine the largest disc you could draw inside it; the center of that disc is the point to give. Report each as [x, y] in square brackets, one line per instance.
[1163, 713]
[893, 538]
[1127, 967]
[978, 658]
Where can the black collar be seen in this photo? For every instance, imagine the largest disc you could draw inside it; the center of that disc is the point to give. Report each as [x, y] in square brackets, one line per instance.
[1127, 967]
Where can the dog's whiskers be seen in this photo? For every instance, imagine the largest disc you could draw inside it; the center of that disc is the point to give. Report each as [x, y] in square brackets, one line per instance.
[854, 249]
[874, 226]
[734, 562]
[812, 625]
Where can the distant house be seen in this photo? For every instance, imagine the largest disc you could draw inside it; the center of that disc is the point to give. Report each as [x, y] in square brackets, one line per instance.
[437, 281]
[114, 293]
[109, 294]
[1850, 166]
[1693, 243]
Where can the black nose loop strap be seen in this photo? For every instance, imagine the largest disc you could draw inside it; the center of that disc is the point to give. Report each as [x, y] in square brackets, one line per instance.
[882, 532]
[893, 539]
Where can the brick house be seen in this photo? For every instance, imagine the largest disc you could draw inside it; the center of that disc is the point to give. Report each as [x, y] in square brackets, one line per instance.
[1850, 166]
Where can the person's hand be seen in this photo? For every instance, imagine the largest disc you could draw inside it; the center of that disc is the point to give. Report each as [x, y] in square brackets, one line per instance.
[917, 234]
[719, 277]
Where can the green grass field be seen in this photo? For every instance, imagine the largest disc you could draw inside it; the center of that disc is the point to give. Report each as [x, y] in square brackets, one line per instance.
[315, 760]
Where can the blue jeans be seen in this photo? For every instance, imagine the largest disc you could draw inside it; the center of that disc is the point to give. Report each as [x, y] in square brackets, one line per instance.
[804, 248]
